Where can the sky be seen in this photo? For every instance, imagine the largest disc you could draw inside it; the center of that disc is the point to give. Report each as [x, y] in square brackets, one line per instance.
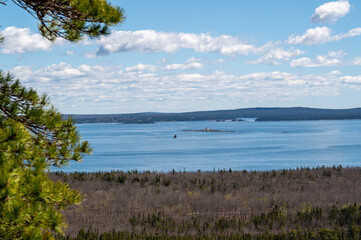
[180, 56]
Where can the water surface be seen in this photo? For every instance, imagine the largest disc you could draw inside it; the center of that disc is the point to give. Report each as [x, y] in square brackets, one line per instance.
[254, 145]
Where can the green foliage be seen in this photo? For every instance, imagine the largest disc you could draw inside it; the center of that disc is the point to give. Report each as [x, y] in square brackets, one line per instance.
[33, 137]
[1, 37]
[267, 220]
[72, 19]
[347, 215]
[322, 234]
[309, 213]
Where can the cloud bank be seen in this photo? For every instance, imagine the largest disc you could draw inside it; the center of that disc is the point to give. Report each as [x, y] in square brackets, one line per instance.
[278, 56]
[88, 88]
[333, 58]
[150, 41]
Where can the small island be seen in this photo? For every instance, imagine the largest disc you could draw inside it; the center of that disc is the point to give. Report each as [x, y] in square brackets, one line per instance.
[205, 130]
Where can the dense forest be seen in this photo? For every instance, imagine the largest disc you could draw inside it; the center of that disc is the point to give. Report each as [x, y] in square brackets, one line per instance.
[260, 114]
[304, 203]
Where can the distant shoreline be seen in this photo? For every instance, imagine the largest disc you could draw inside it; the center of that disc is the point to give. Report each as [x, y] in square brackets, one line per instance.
[258, 114]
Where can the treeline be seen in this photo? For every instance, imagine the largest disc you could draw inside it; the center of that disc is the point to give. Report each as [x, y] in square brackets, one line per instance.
[323, 234]
[261, 114]
[304, 203]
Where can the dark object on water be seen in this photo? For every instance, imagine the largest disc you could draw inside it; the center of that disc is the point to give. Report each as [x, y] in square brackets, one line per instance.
[175, 136]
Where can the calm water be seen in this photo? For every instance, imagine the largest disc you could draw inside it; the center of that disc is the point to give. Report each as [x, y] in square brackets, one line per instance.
[254, 145]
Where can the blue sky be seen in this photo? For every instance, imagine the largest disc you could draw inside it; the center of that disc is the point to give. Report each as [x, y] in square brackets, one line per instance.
[176, 56]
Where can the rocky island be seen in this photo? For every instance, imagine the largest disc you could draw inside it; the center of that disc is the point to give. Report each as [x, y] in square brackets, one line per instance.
[205, 130]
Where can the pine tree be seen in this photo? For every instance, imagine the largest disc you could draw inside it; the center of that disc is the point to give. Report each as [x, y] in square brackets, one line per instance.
[33, 137]
[72, 19]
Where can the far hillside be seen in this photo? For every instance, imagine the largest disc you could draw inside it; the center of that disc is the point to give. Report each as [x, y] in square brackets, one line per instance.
[260, 114]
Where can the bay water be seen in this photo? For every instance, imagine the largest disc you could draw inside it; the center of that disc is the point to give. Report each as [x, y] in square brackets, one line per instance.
[251, 145]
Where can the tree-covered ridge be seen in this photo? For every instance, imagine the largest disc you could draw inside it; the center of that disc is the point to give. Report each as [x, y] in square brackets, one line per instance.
[259, 114]
[33, 137]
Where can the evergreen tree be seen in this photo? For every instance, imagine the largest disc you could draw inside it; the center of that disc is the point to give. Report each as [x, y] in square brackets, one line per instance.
[33, 137]
[72, 19]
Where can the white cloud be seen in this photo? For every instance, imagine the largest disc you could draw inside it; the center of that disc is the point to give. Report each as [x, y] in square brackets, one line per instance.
[356, 61]
[150, 41]
[277, 56]
[312, 36]
[352, 33]
[21, 40]
[321, 35]
[331, 11]
[351, 79]
[141, 67]
[220, 60]
[192, 60]
[187, 66]
[89, 55]
[302, 62]
[335, 72]
[191, 63]
[331, 59]
[336, 54]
